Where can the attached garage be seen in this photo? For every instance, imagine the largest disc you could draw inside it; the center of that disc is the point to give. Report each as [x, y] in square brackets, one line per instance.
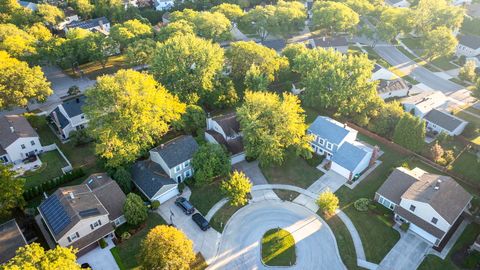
[425, 235]
[166, 193]
[351, 159]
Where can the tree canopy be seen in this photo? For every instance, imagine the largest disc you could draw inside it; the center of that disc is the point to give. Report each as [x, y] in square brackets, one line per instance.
[394, 21]
[17, 42]
[50, 14]
[387, 118]
[210, 162]
[237, 188]
[193, 119]
[272, 124]
[123, 178]
[33, 256]
[135, 210]
[431, 14]
[328, 202]
[140, 52]
[410, 132]
[179, 27]
[439, 42]
[334, 17]
[209, 25]
[231, 11]
[11, 190]
[128, 112]
[130, 31]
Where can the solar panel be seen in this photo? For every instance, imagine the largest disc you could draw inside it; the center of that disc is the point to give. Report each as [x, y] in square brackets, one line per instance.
[54, 214]
[89, 212]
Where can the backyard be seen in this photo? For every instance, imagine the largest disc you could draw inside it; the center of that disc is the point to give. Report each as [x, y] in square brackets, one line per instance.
[468, 165]
[52, 164]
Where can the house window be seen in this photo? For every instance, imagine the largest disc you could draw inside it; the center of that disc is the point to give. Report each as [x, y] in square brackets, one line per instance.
[434, 220]
[188, 174]
[187, 163]
[95, 224]
[177, 168]
[329, 146]
[23, 146]
[412, 208]
[82, 117]
[3, 159]
[32, 142]
[73, 237]
[321, 141]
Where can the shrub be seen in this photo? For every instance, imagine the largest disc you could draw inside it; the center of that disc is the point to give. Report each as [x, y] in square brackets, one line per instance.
[155, 205]
[79, 137]
[449, 156]
[362, 204]
[404, 227]
[125, 236]
[102, 243]
[328, 202]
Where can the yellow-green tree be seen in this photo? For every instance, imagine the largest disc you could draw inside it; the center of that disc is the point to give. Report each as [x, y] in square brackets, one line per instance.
[166, 247]
[231, 11]
[20, 83]
[130, 31]
[129, 111]
[17, 42]
[50, 14]
[208, 25]
[11, 190]
[328, 202]
[439, 42]
[334, 17]
[272, 124]
[237, 188]
[33, 256]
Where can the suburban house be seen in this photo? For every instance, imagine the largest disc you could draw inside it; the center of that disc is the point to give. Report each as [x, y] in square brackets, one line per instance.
[79, 216]
[468, 46]
[68, 116]
[275, 44]
[432, 204]
[393, 88]
[101, 25]
[427, 105]
[337, 43]
[169, 164]
[28, 5]
[225, 130]
[70, 16]
[337, 142]
[162, 5]
[461, 2]
[398, 3]
[11, 238]
[18, 140]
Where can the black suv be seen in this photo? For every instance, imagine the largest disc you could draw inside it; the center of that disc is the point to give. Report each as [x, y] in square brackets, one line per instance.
[186, 206]
[201, 221]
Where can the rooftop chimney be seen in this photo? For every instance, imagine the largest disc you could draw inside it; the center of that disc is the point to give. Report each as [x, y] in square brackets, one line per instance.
[12, 129]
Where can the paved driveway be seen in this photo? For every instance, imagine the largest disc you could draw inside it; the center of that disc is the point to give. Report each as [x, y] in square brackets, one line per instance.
[407, 254]
[101, 259]
[239, 248]
[252, 171]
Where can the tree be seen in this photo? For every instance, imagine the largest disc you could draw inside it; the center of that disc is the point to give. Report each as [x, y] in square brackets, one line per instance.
[410, 133]
[166, 247]
[79, 46]
[210, 161]
[83, 7]
[291, 51]
[223, 94]
[12, 12]
[180, 27]
[17, 42]
[272, 124]
[237, 188]
[128, 32]
[73, 90]
[439, 42]
[334, 17]
[123, 179]
[79, 137]
[436, 152]
[139, 112]
[476, 90]
[243, 54]
[140, 52]
[394, 21]
[205, 24]
[338, 82]
[231, 11]
[135, 210]
[11, 190]
[19, 83]
[467, 72]
[50, 14]
[187, 66]
[104, 47]
[193, 119]
[362, 7]
[260, 19]
[33, 256]
[255, 80]
[328, 202]
[387, 118]
[433, 14]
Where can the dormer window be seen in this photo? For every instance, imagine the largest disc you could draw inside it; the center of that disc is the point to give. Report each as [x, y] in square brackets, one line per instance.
[412, 208]
[434, 220]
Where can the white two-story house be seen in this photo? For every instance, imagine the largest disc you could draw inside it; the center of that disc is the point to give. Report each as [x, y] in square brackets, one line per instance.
[163, 5]
[468, 46]
[169, 164]
[18, 139]
[79, 216]
[431, 204]
[225, 130]
[68, 116]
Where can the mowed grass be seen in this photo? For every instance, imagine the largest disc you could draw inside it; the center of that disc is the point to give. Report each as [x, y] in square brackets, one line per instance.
[205, 196]
[52, 164]
[468, 165]
[94, 69]
[278, 248]
[221, 217]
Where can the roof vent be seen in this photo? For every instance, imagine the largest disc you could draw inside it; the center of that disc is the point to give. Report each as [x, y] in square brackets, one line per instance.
[162, 146]
[71, 195]
[12, 129]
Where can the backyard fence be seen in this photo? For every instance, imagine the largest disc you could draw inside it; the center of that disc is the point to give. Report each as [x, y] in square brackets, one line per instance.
[53, 147]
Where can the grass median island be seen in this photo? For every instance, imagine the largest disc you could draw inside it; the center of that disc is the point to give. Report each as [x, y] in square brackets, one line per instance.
[278, 248]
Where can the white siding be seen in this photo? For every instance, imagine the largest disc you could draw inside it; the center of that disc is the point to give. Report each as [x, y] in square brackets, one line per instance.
[363, 164]
[426, 212]
[340, 170]
[425, 235]
[15, 151]
[165, 193]
[155, 157]
[83, 228]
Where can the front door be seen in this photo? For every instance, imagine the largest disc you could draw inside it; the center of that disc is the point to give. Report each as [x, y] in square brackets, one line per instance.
[179, 178]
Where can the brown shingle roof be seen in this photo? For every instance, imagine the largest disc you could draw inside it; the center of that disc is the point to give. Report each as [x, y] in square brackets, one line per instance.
[419, 222]
[396, 184]
[229, 123]
[108, 192]
[13, 127]
[11, 238]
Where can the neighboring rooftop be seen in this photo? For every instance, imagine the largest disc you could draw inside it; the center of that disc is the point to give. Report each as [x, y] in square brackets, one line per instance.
[108, 192]
[426, 101]
[349, 155]
[277, 44]
[11, 238]
[89, 24]
[234, 146]
[229, 123]
[398, 182]
[327, 42]
[177, 150]
[393, 2]
[386, 86]
[444, 120]
[329, 129]
[13, 127]
[470, 41]
[150, 177]
[73, 106]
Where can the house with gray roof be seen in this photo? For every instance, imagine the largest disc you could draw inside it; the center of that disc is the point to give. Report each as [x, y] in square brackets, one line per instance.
[468, 46]
[398, 3]
[28, 5]
[11, 239]
[351, 159]
[439, 121]
[18, 140]
[431, 204]
[337, 43]
[169, 164]
[101, 25]
[69, 116]
[275, 44]
[393, 88]
[225, 130]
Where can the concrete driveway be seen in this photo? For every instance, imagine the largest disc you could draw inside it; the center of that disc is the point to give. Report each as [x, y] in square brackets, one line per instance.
[100, 259]
[204, 242]
[407, 254]
[252, 171]
[239, 248]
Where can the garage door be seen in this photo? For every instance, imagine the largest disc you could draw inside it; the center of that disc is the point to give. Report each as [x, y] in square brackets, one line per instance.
[430, 238]
[340, 170]
[167, 195]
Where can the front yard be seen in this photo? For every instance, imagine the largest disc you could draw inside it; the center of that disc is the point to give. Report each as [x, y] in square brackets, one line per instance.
[205, 196]
[221, 217]
[52, 164]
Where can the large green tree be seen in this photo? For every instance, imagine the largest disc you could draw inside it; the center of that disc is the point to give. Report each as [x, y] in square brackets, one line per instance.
[187, 66]
[135, 210]
[394, 21]
[439, 42]
[140, 52]
[50, 14]
[179, 27]
[231, 11]
[20, 83]
[431, 14]
[17, 42]
[210, 162]
[237, 188]
[387, 118]
[166, 247]
[124, 179]
[11, 190]
[129, 111]
[33, 256]
[83, 7]
[205, 24]
[193, 119]
[272, 124]
[334, 17]
[130, 31]
[410, 133]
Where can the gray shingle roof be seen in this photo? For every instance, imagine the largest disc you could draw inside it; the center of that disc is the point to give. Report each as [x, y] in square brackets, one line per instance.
[88, 24]
[108, 192]
[11, 238]
[327, 42]
[329, 129]
[62, 120]
[73, 106]
[396, 184]
[277, 44]
[150, 177]
[229, 123]
[177, 150]
[470, 41]
[21, 129]
[444, 120]
[349, 156]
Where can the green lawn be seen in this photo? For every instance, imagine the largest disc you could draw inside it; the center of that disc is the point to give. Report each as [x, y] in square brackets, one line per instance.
[205, 196]
[475, 121]
[460, 82]
[466, 239]
[294, 171]
[468, 165]
[414, 44]
[94, 69]
[444, 63]
[278, 248]
[52, 164]
[220, 219]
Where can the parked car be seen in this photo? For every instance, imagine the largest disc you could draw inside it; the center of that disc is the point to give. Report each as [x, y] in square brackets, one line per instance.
[185, 205]
[201, 221]
[85, 266]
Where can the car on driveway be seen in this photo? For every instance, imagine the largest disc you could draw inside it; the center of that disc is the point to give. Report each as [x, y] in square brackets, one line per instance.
[185, 205]
[201, 221]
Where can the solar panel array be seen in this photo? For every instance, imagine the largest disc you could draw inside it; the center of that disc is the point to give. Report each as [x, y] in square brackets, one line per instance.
[55, 214]
[89, 212]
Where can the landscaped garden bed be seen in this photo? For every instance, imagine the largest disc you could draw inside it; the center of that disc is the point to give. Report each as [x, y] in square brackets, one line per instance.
[278, 248]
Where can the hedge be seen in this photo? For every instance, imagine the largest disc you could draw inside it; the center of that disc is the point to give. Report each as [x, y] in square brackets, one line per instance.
[52, 183]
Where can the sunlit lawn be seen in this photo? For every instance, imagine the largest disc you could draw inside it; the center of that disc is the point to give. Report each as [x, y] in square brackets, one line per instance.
[278, 248]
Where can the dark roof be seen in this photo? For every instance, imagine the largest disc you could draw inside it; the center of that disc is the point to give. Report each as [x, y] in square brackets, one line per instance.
[108, 192]
[419, 222]
[396, 184]
[327, 42]
[309, 5]
[277, 44]
[73, 106]
[349, 156]
[444, 120]
[470, 41]
[11, 238]
[13, 127]
[392, 85]
[68, 11]
[177, 150]
[150, 177]
[234, 146]
[229, 123]
[88, 24]
[58, 116]
[376, 68]
[328, 129]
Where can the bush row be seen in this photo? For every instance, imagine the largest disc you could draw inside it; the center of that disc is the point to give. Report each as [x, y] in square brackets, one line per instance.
[52, 183]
